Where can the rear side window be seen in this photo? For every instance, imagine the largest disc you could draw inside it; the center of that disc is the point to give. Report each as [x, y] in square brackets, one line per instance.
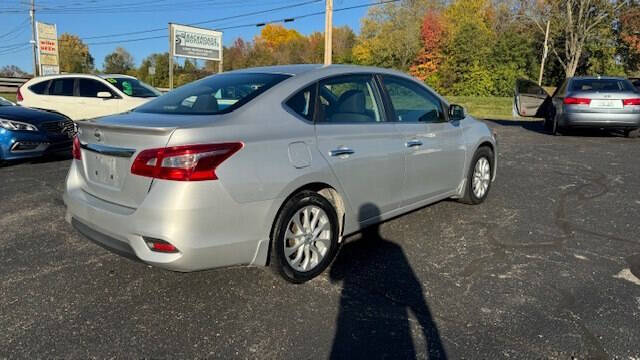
[217, 94]
[62, 87]
[348, 99]
[601, 85]
[91, 88]
[39, 88]
[303, 102]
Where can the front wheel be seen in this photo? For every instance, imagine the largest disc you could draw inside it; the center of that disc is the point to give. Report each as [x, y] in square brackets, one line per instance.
[479, 178]
[305, 237]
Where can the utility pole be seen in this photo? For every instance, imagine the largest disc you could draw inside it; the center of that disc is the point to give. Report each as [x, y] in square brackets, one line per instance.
[328, 33]
[171, 45]
[32, 14]
[544, 54]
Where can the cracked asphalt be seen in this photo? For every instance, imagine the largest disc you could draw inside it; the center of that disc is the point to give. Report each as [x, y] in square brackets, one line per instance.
[547, 267]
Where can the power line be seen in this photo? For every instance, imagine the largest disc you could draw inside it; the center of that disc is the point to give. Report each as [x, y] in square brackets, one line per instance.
[202, 22]
[287, 19]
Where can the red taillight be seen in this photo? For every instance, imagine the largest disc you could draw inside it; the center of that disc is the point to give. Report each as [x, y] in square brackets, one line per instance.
[75, 151]
[19, 95]
[184, 163]
[576, 101]
[630, 102]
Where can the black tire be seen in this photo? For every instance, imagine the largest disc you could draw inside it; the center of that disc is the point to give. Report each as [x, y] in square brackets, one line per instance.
[632, 134]
[469, 196]
[554, 127]
[278, 260]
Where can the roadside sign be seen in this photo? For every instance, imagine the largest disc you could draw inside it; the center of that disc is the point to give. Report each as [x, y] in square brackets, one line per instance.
[152, 70]
[197, 43]
[47, 39]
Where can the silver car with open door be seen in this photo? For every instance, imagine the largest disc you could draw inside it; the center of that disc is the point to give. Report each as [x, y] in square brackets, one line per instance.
[272, 166]
[582, 102]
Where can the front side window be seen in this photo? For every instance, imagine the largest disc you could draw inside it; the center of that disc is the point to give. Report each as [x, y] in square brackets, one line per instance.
[133, 87]
[412, 102]
[348, 99]
[91, 88]
[303, 102]
[213, 95]
[61, 87]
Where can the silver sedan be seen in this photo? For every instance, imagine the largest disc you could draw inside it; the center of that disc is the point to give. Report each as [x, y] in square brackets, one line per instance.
[582, 102]
[271, 166]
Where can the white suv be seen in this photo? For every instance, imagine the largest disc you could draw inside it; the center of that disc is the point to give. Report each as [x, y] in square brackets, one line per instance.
[85, 96]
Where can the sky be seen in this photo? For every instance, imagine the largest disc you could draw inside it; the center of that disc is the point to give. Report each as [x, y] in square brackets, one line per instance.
[91, 18]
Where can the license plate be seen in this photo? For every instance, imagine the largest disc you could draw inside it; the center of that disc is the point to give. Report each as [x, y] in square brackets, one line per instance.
[103, 170]
[606, 104]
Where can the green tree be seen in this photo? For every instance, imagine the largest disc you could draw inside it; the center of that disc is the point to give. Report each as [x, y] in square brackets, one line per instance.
[390, 34]
[74, 54]
[161, 63]
[118, 62]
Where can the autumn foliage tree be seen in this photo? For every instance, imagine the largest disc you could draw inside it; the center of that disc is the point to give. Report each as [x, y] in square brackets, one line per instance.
[430, 56]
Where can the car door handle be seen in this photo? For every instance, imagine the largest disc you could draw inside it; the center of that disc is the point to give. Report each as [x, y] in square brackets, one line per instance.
[413, 143]
[341, 151]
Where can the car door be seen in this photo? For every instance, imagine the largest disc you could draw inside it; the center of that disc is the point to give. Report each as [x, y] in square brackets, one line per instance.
[530, 100]
[434, 151]
[364, 150]
[60, 97]
[93, 106]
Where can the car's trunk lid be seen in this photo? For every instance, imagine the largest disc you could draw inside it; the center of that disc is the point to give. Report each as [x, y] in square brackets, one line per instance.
[109, 147]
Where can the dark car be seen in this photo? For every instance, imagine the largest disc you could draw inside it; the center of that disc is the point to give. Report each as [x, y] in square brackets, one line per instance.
[635, 82]
[582, 102]
[27, 133]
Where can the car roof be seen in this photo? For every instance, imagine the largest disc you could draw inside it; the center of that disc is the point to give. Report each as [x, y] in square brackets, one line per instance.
[301, 69]
[91, 76]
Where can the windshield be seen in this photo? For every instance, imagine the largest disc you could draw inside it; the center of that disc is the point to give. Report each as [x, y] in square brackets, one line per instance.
[5, 102]
[601, 85]
[213, 95]
[133, 87]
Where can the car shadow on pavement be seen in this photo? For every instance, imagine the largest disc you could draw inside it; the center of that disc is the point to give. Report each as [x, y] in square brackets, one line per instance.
[538, 126]
[54, 157]
[380, 292]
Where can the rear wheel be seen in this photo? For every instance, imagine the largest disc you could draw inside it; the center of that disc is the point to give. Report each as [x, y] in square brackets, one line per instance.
[305, 237]
[632, 134]
[554, 127]
[479, 178]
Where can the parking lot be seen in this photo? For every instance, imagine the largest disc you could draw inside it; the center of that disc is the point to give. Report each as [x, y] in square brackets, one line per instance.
[547, 267]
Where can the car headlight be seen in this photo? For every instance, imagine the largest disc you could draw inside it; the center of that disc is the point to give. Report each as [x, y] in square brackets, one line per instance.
[16, 125]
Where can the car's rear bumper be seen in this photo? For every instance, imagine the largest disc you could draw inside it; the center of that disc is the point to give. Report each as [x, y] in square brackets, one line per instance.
[601, 120]
[200, 219]
[16, 145]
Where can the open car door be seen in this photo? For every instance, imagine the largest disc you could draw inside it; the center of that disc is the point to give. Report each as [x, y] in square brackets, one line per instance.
[530, 100]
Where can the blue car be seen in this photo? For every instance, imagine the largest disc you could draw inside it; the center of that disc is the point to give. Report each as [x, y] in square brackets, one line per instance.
[28, 133]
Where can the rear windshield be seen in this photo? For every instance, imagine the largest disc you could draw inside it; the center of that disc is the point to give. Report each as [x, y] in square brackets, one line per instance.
[601, 85]
[133, 87]
[213, 95]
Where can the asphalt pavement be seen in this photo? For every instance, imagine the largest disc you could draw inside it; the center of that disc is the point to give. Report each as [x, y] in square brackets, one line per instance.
[547, 267]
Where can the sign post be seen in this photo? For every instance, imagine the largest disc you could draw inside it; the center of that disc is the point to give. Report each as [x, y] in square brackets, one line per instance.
[47, 39]
[193, 42]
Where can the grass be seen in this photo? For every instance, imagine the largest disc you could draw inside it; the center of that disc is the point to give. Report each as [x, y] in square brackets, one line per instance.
[9, 96]
[485, 107]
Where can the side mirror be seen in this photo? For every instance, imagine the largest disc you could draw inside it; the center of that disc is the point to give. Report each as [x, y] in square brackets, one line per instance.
[104, 95]
[456, 112]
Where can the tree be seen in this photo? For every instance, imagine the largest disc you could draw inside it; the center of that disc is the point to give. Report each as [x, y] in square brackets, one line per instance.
[628, 36]
[390, 34]
[161, 63]
[574, 25]
[118, 62]
[74, 54]
[12, 71]
[430, 56]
